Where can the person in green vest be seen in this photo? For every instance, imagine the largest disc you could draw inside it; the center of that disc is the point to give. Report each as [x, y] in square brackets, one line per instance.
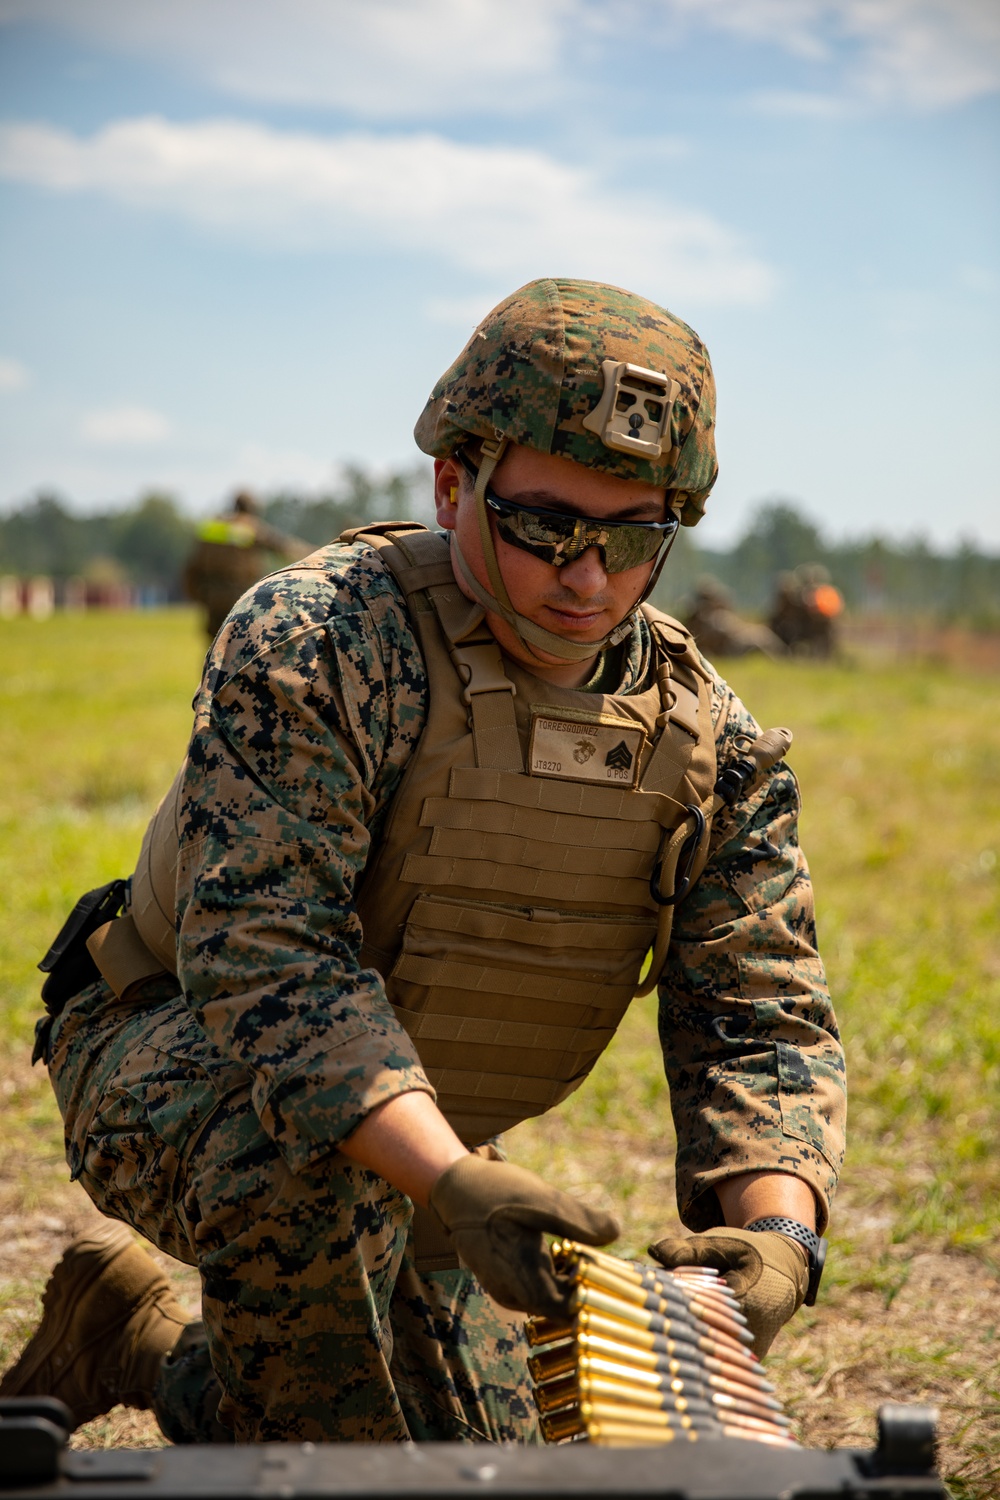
[231, 552]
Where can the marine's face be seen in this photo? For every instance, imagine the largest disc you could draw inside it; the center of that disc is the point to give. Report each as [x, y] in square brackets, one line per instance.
[580, 600]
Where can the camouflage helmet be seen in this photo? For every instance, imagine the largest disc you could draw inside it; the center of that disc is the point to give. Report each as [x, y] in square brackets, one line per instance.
[549, 368]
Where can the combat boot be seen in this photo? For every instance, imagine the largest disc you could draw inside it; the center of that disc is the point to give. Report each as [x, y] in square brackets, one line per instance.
[108, 1318]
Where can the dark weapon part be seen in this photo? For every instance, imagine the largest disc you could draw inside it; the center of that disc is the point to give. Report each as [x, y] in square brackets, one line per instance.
[35, 1462]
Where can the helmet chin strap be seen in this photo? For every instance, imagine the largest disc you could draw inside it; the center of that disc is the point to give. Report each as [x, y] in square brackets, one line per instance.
[499, 603]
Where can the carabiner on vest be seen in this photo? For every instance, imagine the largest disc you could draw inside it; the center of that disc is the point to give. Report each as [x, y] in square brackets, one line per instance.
[685, 863]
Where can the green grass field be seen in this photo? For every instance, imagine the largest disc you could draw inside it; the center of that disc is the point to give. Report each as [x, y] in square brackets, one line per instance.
[900, 769]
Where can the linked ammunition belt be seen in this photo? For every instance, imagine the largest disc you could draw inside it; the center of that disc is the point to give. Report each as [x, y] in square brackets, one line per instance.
[648, 1356]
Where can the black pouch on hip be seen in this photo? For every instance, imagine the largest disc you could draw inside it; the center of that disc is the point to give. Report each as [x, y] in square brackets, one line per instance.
[68, 965]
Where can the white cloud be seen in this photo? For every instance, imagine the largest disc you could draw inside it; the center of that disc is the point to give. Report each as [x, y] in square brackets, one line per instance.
[791, 104]
[923, 54]
[926, 53]
[380, 59]
[13, 375]
[981, 280]
[792, 25]
[124, 427]
[496, 211]
[418, 59]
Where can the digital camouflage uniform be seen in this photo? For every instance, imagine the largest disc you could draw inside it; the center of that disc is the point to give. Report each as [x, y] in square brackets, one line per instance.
[208, 1114]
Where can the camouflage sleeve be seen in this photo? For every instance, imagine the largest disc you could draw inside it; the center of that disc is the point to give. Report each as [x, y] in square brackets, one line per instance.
[749, 1037]
[313, 697]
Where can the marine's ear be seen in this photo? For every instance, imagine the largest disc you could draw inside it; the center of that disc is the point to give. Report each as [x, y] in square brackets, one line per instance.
[447, 488]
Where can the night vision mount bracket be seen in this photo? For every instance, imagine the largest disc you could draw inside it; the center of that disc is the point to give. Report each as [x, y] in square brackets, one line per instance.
[633, 414]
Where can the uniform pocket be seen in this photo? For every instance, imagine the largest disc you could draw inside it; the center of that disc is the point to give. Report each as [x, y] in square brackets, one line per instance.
[811, 1094]
[165, 1083]
[157, 1083]
[179, 1038]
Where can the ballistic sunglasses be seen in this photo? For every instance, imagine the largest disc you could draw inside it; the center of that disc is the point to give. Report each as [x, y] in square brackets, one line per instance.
[557, 537]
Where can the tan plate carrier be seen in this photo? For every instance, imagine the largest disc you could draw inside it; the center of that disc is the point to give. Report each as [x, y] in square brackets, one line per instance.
[508, 909]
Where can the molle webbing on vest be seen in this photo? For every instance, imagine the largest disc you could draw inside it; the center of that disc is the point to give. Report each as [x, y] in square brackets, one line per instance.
[510, 913]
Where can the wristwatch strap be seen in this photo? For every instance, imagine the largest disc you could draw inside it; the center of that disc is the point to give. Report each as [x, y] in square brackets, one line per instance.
[810, 1241]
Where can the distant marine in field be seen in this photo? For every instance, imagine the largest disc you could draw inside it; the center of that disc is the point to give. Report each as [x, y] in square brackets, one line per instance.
[805, 611]
[231, 553]
[719, 630]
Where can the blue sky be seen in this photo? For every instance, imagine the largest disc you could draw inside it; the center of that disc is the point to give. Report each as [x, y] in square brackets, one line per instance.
[240, 240]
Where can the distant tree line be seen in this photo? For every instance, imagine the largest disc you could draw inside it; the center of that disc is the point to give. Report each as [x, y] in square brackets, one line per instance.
[873, 574]
[146, 545]
[360, 498]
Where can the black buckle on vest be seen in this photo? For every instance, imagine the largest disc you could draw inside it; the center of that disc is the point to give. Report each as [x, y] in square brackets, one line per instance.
[734, 780]
[685, 863]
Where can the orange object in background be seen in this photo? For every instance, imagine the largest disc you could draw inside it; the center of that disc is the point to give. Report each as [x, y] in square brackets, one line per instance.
[827, 600]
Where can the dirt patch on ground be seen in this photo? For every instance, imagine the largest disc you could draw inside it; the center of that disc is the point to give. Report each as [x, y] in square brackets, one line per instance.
[898, 638]
[934, 1340]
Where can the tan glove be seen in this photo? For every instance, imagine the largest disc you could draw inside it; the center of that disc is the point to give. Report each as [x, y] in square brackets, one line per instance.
[495, 1214]
[767, 1272]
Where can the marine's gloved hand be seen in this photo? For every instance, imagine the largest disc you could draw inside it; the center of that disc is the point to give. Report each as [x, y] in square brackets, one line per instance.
[495, 1214]
[767, 1271]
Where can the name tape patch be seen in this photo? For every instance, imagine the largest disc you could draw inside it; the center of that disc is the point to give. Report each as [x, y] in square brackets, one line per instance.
[608, 752]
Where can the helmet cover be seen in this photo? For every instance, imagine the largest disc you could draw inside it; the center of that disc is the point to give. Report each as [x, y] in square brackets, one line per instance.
[532, 372]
